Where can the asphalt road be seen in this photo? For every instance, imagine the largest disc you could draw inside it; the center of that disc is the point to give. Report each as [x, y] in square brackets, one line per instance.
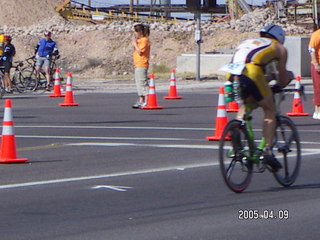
[105, 171]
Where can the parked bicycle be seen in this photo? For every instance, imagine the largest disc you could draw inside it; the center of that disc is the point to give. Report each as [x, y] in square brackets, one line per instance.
[17, 79]
[37, 80]
[242, 155]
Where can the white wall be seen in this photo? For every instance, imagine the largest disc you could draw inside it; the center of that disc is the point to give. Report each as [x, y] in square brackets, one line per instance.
[298, 59]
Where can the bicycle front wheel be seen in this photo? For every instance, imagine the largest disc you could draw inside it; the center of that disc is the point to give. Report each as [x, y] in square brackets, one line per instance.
[18, 82]
[2, 89]
[235, 168]
[287, 150]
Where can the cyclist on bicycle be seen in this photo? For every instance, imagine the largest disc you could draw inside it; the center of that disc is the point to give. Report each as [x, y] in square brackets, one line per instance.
[251, 63]
[46, 48]
[6, 61]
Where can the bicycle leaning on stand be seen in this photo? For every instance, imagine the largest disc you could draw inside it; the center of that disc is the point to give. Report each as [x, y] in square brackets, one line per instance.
[242, 156]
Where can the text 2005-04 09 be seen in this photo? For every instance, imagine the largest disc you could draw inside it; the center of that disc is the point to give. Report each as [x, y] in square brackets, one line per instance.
[253, 214]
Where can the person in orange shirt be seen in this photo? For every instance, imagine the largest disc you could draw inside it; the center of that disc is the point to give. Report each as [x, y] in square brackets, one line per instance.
[141, 55]
[314, 50]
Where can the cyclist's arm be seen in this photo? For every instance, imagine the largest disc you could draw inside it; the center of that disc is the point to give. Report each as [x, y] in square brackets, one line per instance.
[55, 50]
[36, 49]
[285, 76]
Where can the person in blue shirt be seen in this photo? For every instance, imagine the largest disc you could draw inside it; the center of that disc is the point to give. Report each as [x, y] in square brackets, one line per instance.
[45, 49]
[6, 61]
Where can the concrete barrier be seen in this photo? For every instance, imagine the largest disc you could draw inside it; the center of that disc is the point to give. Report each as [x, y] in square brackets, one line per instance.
[298, 59]
[298, 55]
[210, 63]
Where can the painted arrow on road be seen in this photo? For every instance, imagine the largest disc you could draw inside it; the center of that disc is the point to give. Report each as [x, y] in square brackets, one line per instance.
[116, 188]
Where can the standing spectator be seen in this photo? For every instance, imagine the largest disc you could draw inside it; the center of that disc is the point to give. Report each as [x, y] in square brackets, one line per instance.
[314, 50]
[6, 60]
[141, 55]
[46, 48]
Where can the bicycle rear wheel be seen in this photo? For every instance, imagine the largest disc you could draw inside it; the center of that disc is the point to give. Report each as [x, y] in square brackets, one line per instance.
[235, 169]
[287, 150]
[30, 80]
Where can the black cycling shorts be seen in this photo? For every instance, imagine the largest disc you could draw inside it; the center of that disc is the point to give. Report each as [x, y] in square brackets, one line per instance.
[7, 66]
[248, 88]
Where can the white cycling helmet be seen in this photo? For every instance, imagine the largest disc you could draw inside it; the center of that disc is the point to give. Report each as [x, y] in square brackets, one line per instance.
[275, 31]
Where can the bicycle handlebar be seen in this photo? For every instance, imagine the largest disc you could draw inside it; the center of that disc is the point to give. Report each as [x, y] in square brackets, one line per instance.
[277, 89]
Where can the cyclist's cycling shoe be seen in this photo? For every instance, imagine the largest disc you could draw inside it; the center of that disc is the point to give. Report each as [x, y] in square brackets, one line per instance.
[8, 90]
[271, 161]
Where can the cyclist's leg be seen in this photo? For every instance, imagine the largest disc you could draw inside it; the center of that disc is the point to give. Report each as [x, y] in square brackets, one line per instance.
[261, 92]
[7, 80]
[269, 120]
[46, 66]
[39, 65]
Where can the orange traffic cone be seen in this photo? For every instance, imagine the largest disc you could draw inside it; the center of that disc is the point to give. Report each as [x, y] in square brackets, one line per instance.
[57, 83]
[152, 96]
[233, 106]
[68, 100]
[221, 119]
[8, 152]
[173, 89]
[297, 105]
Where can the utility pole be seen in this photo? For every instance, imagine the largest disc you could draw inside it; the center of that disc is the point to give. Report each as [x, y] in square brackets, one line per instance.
[131, 6]
[198, 42]
[89, 3]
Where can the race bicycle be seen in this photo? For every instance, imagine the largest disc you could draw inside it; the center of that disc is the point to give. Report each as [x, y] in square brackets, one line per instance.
[16, 80]
[34, 80]
[242, 156]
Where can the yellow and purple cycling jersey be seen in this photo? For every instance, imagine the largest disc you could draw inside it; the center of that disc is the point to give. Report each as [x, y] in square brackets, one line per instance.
[252, 57]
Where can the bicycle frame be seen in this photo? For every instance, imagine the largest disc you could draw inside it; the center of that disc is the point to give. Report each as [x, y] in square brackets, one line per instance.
[254, 151]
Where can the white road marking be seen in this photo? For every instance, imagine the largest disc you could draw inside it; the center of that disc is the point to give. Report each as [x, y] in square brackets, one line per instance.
[141, 128]
[116, 188]
[305, 151]
[111, 175]
[115, 127]
[128, 173]
[189, 146]
[104, 138]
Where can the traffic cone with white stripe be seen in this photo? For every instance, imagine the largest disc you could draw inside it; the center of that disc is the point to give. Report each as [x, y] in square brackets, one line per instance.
[8, 152]
[57, 85]
[152, 96]
[173, 89]
[221, 119]
[233, 106]
[297, 105]
[68, 100]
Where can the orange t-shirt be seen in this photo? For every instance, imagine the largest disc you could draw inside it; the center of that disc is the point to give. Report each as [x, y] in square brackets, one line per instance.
[142, 60]
[314, 44]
